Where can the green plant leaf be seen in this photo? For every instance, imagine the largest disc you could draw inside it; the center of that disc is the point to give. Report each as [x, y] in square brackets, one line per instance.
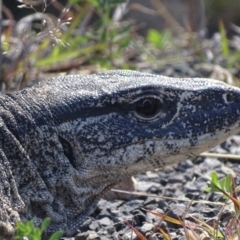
[153, 36]
[57, 235]
[75, 1]
[27, 229]
[45, 224]
[224, 40]
[213, 183]
[225, 184]
[159, 39]
[95, 3]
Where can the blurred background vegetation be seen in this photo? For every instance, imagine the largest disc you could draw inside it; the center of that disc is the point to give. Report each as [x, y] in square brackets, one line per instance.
[191, 38]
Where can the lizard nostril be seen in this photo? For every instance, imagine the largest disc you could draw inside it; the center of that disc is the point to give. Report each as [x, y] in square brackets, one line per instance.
[228, 97]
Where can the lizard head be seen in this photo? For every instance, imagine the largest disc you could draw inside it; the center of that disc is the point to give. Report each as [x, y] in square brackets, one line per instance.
[119, 123]
[77, 136]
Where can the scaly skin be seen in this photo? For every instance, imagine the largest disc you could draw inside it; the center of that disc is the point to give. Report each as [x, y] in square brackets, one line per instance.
[66, 141]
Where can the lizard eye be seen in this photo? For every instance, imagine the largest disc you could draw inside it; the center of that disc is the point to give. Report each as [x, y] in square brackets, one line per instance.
[147, 108]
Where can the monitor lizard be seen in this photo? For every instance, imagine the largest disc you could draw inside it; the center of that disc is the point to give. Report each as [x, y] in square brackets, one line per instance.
[67, 140]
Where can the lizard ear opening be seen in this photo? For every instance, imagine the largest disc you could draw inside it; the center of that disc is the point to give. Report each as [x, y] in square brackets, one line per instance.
[67, 150]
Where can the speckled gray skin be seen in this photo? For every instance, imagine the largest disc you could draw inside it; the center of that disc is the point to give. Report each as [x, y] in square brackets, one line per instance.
[67, 140]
